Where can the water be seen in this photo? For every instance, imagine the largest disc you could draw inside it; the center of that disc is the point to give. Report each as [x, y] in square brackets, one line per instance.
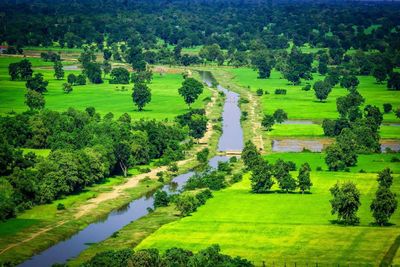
[231, 139]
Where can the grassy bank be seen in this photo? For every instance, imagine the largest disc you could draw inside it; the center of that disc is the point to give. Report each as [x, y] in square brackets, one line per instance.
[246, 224]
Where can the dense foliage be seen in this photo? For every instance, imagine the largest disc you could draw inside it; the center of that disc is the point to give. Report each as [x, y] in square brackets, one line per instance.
[210, 256]
[85, 149]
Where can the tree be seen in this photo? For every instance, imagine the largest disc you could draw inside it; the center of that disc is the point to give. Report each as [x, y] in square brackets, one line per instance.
[190, 90]
[67, 88]
[287, 183]
[261, 177]
[385, 178]
[34, 100]
[379, 74]
[20, 70]
[93, 72]
[250, 154]
[267, 122]
[107, 54]
[338, 158]
[161, 199]
[7, 204]
[394, 81]
[106, 67]
[37, 83]
[397, 112]
[71, 78]
[304, 181]
[58, 70]
[80, 79]
[119, 75]
[197, 125]
[383, 205]
[280, 115]
[186, 204]
[141, 95]
[202, 156]
[349, 82]
[142, 76]
[123, 156]
[322, 90]
[322, 67]
[345, 202]
[387, 107]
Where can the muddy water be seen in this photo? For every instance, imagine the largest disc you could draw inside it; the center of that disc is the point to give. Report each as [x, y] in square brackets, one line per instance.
[231, 139]
[317, 145]
[298, 145]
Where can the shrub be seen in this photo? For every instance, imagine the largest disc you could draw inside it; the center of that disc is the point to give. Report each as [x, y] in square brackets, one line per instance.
[387, 107]
[60, 206]
[280, 91]
[307, 87]
[237, 177]
[260, 92]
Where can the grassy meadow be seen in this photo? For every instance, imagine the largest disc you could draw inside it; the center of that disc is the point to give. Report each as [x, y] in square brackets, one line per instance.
[166, 102]
[284, 228]
[303, 104]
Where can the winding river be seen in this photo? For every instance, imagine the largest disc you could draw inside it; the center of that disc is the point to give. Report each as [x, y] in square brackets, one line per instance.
[230, 140]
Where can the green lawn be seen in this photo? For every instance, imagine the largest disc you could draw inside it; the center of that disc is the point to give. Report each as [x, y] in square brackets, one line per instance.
[166, 102]
[369, 163]
[283, 228]
[303, 105]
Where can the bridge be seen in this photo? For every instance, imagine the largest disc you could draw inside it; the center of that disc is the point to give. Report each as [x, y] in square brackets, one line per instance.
[230, 153]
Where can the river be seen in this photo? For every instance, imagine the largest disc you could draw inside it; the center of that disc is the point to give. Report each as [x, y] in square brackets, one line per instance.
[230, 140]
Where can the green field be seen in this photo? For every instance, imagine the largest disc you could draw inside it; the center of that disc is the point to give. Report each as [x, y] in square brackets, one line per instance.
[283, 228]
[303, 105]
[166, 102]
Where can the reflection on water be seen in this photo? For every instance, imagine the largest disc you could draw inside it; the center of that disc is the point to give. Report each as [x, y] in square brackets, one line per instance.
[231, 139]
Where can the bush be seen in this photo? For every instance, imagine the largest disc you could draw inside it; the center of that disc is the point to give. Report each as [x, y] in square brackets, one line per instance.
[60, 206]
[237, 177]
[243, 101]
[395, 159]
[319, 168]
[280, 91]
[307, 87]
[161, 199]
[387, 107]
[260, 92]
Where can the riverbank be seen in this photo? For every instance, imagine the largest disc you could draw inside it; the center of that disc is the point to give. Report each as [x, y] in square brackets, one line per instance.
[89, 206]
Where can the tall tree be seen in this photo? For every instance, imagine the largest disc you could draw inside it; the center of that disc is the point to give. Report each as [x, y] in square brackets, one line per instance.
[345, 202]
[280, 115]
[141, 95]
[383, 205]
[304, 181]
[37, 83]
[394, 81]
[385, 178]
[267, 122]
[34, 100]
[322, 90]
[58, 70]
[190, 90]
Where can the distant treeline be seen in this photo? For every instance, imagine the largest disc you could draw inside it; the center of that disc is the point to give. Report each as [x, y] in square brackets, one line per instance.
[233, 25]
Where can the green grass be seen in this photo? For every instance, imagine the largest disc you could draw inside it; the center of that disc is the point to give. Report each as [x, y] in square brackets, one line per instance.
[49, 211]
[166, 102]
[38, 152]
[315, 130]
[279, 228]
[303, 105]
[370, 163]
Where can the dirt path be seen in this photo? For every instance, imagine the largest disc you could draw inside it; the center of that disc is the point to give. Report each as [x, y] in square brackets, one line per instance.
[33, 236]
[256, 125]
